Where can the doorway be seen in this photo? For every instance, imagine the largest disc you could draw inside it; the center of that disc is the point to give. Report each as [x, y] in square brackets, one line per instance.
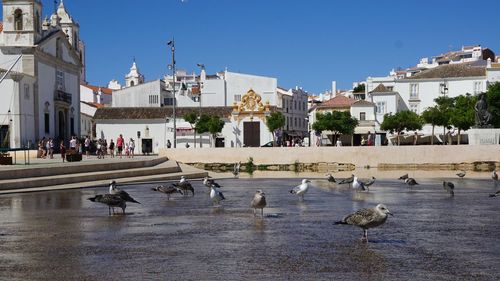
[251, 134]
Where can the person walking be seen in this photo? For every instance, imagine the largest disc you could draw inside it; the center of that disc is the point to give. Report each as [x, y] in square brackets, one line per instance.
[72, 143]
[119, 145]
[51, 148]
[62, 148]
[131, 147]
[112, 148]
[87, 146]
[169, 144]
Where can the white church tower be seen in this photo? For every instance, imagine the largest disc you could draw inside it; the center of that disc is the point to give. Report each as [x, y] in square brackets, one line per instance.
[134, 77]
[21, 23]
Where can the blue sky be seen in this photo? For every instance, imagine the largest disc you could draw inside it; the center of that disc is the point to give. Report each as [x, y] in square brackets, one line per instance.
[307, 43]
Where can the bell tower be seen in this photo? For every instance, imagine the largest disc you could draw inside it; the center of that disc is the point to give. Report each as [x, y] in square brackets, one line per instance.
[21, 22]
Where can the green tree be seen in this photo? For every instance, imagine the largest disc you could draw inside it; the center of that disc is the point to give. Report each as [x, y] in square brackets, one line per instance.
[359, 89]
[493, 100]
[435, 117]
[401, 121]
[338, 122]
[445, 105]
[275, 121]
[209, 124]
[462, 114]
[192, 118]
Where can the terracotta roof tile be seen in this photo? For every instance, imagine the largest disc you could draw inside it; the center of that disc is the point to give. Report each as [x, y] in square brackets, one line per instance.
[104, 90]
[380, 89]
[450, 71]
[337, 102]
[363, 103]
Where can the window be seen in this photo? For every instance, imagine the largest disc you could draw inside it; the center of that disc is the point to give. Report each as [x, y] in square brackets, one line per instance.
[60, 80]
[443, 88]
[132, 83]
[47, 123]
[153, 99]
[390, 88]
[237, 98]
[27, 91]
[295, 104]
[414, 108]
[72, 126]
[168, 101]
[18, 19]
[381, 107]
[37, 21]
[58, 48]
[478, 87]
[362, 116]
[413, 91]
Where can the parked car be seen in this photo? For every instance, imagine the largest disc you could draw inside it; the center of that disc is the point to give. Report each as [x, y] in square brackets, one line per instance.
[268, 144]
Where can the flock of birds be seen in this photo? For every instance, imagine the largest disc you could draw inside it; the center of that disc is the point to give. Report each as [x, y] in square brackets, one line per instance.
[365, 218]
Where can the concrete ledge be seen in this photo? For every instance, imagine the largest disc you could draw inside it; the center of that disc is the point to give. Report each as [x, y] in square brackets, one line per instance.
[19, 172]
[359, 156]
[65, 178]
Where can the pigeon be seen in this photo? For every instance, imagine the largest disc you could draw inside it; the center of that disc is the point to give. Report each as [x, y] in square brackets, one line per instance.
[330, 178]
[123, 194]
[461, 174]
[347, 180]
[403, 177]
[301, 189]
[367, 218]
[112, 200]
[449, 186]
[496, 194]
[169, 190]
[259, 202]
[494, 175]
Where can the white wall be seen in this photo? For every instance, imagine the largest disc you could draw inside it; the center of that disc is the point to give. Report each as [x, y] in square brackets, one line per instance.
[138, 96]
[240, 84]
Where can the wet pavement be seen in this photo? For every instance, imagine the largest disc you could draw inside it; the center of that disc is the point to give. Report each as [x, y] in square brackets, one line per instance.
[60, 235]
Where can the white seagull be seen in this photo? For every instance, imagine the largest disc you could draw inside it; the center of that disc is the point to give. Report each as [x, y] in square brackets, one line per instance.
[208, 182]
[411, 182]
[358, 185]
[494, 175]
[259, 202]
[301, 189]
[367, 218]
[461, 174]
[370, 182]
[216, 195]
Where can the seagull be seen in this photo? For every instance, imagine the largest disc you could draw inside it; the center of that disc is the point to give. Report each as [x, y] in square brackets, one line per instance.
[236, 169]
[496, 194]
[403, 177]
[367, 218]
[330, 178]
[259, 202]
[184, 185]
[411, 182]
[370, 182]
[301, 189]
[358, 185]
[169, 190]
[209, 182]
[216, 195]
[123, 194]
[461, 174]
[449, 186]
[347, 180]
[494, 175]
[112, 200]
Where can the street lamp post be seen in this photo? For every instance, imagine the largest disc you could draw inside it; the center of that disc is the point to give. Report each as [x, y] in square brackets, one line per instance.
[202, 68]
[172, 49]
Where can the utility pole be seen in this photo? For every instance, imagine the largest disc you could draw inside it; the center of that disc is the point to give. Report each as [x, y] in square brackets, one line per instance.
[172, 48]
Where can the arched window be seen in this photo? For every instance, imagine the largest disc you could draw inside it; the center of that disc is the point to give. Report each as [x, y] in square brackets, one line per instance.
[132, 83]
[18, 19]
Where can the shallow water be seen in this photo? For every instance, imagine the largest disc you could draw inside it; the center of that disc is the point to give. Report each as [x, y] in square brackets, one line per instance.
[60, 235]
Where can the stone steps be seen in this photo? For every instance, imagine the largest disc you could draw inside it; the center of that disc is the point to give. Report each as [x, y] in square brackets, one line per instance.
[170, 168]
[188, 172]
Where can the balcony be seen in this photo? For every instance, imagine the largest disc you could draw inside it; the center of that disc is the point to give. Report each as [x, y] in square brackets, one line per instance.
[62, 96]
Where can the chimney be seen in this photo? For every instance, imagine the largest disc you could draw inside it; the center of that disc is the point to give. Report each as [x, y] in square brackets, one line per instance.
[334, 88]
[488, 63]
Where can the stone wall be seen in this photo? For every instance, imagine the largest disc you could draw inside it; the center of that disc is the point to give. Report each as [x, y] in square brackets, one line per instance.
[388, 157]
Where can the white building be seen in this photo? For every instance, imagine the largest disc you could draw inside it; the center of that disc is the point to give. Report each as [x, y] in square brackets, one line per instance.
[154, 126]
[293, 105]
[91, 98]
[42, 92]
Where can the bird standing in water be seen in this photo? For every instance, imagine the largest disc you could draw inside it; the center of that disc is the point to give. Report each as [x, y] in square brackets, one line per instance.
[367, 218]
[112, 200]
[122, 193]
[301, 189]
[259, 202]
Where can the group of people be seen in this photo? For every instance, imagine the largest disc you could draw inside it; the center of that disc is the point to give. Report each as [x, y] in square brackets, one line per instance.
[46, 147]
[120, 148]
